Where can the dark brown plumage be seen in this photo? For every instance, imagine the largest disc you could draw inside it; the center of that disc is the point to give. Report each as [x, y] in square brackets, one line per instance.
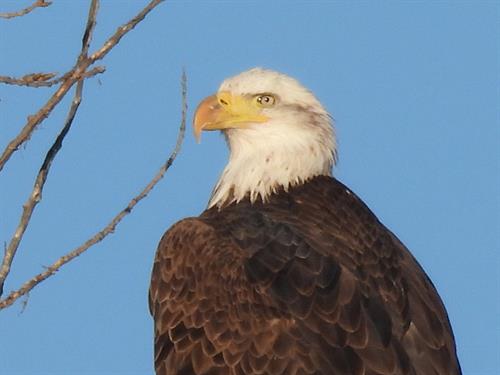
[309, 282]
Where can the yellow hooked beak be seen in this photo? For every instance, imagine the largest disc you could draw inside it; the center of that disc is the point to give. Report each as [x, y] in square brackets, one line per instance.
[226, 111]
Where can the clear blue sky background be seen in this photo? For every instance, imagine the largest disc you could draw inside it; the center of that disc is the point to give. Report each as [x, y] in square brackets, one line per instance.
[414, 89]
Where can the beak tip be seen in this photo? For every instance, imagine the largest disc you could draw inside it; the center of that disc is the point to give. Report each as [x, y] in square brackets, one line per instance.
[202, 116]
[197, 135]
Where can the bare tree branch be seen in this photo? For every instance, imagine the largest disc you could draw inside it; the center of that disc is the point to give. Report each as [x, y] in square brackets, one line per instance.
[36, 194]
[122, 30]
[76, 74]
[41, 115]
[110, 228]
[89, 29]
[23, 12]
[31, 79]
[45, 79]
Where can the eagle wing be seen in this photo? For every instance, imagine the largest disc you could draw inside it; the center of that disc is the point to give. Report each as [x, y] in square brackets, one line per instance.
[295, 286]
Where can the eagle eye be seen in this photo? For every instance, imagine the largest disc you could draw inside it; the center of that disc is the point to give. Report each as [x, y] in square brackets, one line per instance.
[265, 100]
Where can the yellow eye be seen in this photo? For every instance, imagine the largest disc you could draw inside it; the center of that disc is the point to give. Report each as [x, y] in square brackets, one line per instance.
[265, 100]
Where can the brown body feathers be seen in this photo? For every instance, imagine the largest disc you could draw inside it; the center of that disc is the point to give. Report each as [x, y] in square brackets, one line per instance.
[309, 282]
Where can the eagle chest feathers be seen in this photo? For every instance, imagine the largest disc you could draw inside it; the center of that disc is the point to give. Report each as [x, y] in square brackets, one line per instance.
[294, 286]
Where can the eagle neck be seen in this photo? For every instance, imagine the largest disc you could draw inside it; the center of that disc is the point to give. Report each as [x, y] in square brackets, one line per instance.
[256, 170]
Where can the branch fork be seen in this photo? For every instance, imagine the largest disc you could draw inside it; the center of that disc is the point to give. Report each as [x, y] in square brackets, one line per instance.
[76, 75]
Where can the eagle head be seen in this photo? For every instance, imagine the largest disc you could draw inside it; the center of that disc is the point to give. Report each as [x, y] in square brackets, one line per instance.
[279, 135]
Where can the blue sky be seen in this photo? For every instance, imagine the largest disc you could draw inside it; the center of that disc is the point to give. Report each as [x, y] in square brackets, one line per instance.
[414, 90]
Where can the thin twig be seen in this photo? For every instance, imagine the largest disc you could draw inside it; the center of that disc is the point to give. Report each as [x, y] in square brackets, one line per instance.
[122, 30]
[36, 194]
[45, 79]
[23, 12]
[89, 29]
[77, 72]
[38, 117]
[33, 79]
[110, 228]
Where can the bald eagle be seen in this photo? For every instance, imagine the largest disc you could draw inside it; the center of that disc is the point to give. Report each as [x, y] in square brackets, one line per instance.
[288, 271]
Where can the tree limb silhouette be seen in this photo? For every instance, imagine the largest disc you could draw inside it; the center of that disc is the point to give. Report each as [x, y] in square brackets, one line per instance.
[79, 70]
[77, 75]
[36, 194]
[110, 228]
[23, 12]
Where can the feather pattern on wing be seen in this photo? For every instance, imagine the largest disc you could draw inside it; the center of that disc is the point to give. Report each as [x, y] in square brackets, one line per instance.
[309, 282]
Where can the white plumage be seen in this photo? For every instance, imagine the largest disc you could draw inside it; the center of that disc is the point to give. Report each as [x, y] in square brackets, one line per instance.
[296, 142]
